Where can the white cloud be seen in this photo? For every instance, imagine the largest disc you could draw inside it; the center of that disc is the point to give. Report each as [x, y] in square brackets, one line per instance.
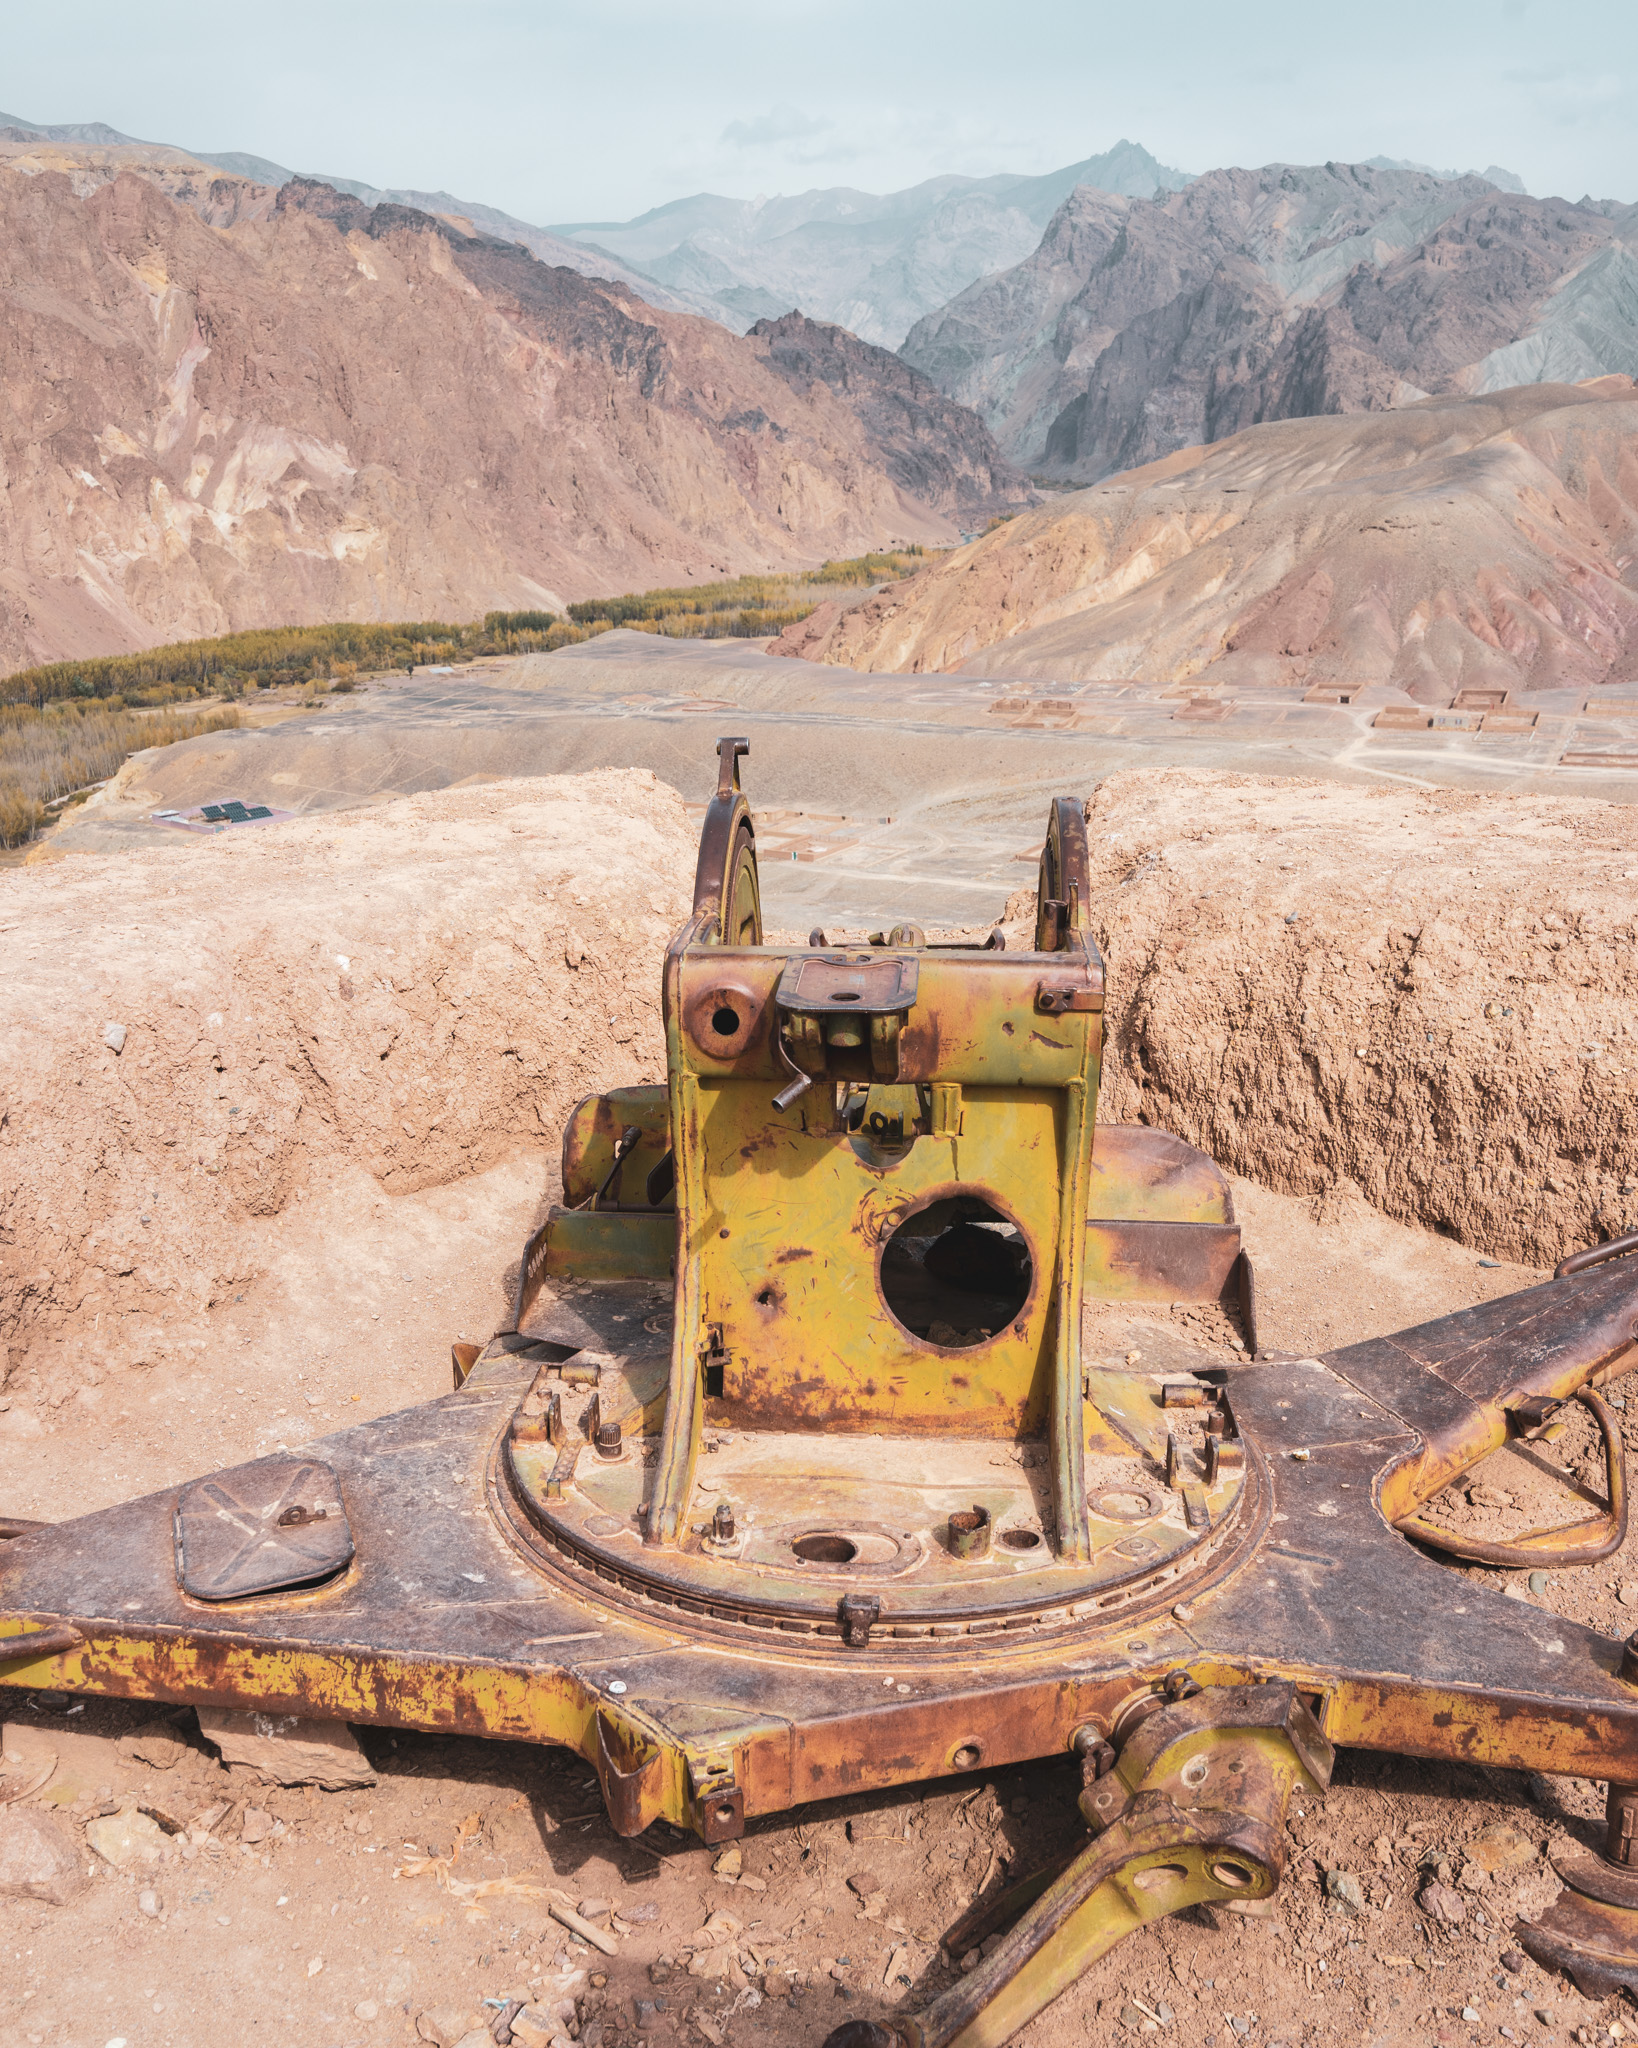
[782, 124]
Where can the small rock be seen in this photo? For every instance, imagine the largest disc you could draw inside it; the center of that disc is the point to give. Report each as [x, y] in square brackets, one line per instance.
[157, 1744]
[1511, 1961]
[150, 1904]
[1627, 1593]
[1499, 1847]
[1131, 2017]
[1545, 2015]
[641, 1916]
[366, 2009]
[113, 1036]
[256, 1826]
[315, 1965]
[1538, 1582]
[129, 1841]
[972, 1959]
[445, 2025]
[1342, 1889]
[728, 1863]
[863, 1882]
[1441, 1904]
[595, 1909]
[476, 2037]
[1474, 1877]
[660, 1971]
[532, 2029]
[1483, 1496]
[38, 1859]
[1470, 2012]
[287, 1749]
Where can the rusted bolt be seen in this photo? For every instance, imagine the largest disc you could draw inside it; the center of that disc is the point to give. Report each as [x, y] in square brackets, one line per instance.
[970, 1532]
[722, 1523]
[607, 1439]
[1621, 1816]
[1096, 1754]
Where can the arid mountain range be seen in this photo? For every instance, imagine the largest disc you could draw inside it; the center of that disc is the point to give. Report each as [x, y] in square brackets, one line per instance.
[875, 263]
[1486, 542]
[231, 407]
[1140, 326]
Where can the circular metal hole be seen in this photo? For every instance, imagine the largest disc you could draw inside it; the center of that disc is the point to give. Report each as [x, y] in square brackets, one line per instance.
[1021, 1539]
[825, 1547]
[724, 1021]
[844, 995]
[1234, 1876]
[956, 1272]
[967, 1756]
[1160, 1877]
[1127, 1503]
[1195, 1771]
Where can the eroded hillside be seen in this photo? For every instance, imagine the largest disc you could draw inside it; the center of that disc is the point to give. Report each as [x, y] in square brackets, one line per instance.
[1456, 543]
[230, 408]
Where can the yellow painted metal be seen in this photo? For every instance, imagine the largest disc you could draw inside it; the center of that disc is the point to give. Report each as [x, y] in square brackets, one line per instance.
[609, 1244]
[1192, 1816]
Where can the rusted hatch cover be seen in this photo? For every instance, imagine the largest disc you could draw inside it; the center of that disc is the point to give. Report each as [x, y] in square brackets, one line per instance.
[261, 1528]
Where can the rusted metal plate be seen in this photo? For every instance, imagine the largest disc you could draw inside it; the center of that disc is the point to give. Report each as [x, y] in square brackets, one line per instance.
[866, 984]
[610, 1244]
[592, 1133]
[261, 1528]
[1134, 1261]
[1153, 1176]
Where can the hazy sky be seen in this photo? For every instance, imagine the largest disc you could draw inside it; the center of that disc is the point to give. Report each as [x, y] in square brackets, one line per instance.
[599, 111]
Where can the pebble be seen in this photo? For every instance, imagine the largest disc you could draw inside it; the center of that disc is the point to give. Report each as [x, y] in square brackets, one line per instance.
[150, 1904]
[1470, 2012]
[113, 1036]
[366, 2009]
[1342, 1889]
[1442, 1904]
[1627, 1594]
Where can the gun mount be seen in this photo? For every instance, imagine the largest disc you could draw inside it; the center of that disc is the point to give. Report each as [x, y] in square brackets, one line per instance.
[792, 1479]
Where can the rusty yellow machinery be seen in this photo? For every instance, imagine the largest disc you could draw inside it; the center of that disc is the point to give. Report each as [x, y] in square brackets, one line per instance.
[790, 1477]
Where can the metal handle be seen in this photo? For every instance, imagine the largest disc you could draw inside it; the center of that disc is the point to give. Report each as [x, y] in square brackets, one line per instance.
[1576, 1543]
[1595, 1255]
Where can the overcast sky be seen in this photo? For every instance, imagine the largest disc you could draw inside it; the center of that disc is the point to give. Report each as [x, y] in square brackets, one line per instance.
[600, 111]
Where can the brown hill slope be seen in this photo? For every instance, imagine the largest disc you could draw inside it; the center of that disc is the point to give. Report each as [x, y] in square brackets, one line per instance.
[1458, 542]
[226, 414]
[1140, 326]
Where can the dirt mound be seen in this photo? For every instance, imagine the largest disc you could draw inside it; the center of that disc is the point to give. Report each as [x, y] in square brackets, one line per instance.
[197, 1037]
[1430, 995]
[1458, 543]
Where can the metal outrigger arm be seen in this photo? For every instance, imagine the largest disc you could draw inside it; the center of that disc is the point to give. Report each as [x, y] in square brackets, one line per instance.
[793, 1399]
